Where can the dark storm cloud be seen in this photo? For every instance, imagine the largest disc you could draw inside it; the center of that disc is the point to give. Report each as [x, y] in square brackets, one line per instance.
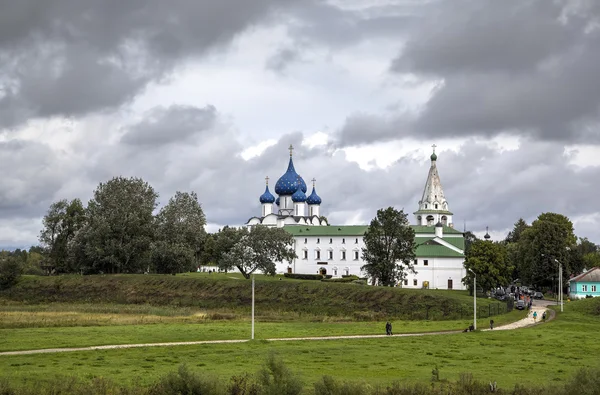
[32, 174]
[72, 57]
[167, 125]
[517, 67]
[484, 186]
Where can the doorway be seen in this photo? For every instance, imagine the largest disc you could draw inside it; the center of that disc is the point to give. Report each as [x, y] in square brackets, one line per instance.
[450, 283]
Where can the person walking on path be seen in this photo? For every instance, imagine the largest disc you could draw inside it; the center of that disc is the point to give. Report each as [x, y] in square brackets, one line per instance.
[534, 316]
[388, 328]
[491, 324]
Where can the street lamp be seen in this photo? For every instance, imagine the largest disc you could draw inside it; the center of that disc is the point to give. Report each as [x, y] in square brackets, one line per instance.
[252, 306]
[560, 283]
[474, 299]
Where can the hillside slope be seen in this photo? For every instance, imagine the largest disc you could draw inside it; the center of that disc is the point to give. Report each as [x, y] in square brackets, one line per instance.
[226, 293]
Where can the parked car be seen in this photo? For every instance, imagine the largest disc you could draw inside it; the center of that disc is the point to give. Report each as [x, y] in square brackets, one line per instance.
[538, 295]
[520, 305]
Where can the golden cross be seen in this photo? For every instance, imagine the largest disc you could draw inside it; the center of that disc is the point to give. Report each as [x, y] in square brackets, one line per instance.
[433, 146]
[291, 149]
[313, 181]
[267, 179]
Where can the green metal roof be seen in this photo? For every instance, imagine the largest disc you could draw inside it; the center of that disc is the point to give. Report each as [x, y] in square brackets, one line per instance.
[358, 230]
[345, 230]
[458, 242]
[436, 251]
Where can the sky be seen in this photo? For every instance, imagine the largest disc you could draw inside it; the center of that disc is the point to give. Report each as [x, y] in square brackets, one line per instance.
[205, 96]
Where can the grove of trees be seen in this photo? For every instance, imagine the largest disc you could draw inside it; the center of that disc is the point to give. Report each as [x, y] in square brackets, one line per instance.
[118, 231]
[530, 254]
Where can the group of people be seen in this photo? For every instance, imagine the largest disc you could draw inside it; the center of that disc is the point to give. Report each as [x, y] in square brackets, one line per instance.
[535, 316]
[388, 328]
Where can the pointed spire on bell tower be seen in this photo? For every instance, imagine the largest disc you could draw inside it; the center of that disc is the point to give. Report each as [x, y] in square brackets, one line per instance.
[433, 207]
[487, 234]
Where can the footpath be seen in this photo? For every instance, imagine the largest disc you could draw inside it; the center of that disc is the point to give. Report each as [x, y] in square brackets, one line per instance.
[525, 322]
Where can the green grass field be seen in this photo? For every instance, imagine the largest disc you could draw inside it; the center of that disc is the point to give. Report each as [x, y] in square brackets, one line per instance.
[542, 355]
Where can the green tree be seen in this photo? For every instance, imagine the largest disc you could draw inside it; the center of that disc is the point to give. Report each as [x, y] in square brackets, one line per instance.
[549, 239]
[488, 260]
[208, 255]
[179, 234]
[225, 239]
[470, 238]
[389, 247]
[119, 228]
[515, 235]
[61, 223]
[10, 271]
[259, 249]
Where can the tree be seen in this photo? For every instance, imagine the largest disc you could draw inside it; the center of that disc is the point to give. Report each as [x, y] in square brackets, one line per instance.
[515, 235]
[10, 271]
[470, 238]
[179, 234]
[259, 249]
[209, 250]
[549, 239]
[225, 239]
[389, 247]
[61, 223]
[488, 260]
[119, 228]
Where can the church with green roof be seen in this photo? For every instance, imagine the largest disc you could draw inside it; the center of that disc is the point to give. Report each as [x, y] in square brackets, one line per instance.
[337, 249]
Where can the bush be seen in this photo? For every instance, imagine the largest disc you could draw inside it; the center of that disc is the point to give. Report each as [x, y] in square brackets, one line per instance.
[338, 280]
[186, 382]
[10, 271]
[298, 276]
[351, 276]
[277, 379]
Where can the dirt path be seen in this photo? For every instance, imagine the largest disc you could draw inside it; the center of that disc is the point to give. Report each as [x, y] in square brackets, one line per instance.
[528, 321]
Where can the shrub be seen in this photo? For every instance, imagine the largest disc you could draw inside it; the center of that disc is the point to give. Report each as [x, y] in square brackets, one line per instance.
[186, 382]
[352, 276]
[299, 276]
[243, 385]
[338, 280]
[330, 386]
[10, 271]
[277, 379]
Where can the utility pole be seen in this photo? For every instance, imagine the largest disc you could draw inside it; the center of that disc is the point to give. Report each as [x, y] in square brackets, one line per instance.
[253, 307]
[560, 285]
[474, 299]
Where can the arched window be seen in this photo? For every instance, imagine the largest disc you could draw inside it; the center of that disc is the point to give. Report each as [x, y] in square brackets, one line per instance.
[335, 269]
[430, 220]
[444, 220]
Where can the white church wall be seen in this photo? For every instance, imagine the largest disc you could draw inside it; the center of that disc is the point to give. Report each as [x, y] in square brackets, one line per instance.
[437, 273]
[351, 245]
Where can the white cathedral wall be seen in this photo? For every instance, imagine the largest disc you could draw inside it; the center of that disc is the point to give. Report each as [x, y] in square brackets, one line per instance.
[312, 264]
[437, 272]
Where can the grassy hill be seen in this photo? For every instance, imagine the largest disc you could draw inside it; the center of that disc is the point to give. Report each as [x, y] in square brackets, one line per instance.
[589, 306]
[229, 293]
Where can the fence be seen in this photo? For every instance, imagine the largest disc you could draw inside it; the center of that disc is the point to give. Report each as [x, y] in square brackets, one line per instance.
[437, 312]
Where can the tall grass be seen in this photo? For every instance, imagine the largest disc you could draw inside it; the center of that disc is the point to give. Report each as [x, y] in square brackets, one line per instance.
[275, 378]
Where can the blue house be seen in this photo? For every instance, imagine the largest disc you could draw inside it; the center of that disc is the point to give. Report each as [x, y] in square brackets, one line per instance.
[587, 283]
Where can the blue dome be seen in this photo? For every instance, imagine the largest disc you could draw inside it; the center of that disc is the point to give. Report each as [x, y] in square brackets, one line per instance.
[299, 196]
[313, 198]
[277, 201]
[288, 183]
[267, 197]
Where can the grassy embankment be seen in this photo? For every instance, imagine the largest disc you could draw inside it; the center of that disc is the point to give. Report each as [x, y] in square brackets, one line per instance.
[101, 310]
[227, 296]
[544, 355]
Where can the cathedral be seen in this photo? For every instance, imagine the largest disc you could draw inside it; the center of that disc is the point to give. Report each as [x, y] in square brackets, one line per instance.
[337, 249]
